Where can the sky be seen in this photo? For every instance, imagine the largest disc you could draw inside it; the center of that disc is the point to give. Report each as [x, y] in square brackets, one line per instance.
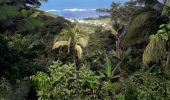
[80, 4]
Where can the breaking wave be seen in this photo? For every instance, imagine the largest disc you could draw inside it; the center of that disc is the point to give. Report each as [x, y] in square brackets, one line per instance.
[76, 9]
[71, 10]
[53, 10]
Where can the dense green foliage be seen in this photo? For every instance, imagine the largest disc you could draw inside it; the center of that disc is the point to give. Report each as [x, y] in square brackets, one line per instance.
[26, 41]
[46, 57]
[65, 82]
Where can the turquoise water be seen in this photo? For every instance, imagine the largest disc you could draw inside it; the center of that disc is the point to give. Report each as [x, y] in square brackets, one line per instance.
[77, 9]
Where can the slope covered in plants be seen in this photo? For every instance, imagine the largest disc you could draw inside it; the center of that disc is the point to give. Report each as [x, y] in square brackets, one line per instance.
[46, 57]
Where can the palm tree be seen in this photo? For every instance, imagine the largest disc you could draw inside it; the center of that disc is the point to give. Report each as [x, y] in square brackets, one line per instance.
[145, 22]
[144, 25]
[155, 51]
[74, 40]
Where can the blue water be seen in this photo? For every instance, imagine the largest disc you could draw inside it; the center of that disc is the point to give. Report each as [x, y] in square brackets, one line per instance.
[77, 9]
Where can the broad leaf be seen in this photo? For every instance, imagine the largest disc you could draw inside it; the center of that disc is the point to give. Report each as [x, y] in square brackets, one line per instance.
[108, 67]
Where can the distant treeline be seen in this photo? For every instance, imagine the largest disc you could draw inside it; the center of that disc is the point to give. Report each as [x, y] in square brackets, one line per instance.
[100, 17]
[103, 10]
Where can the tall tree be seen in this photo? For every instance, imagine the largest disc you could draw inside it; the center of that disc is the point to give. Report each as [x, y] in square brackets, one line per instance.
[74, 39]
[144, 23]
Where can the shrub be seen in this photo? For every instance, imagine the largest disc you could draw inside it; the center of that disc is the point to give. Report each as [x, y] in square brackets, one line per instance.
[65, 82]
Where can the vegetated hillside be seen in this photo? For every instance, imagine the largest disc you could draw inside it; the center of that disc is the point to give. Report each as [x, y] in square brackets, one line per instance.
[26, 36]
[48, 58]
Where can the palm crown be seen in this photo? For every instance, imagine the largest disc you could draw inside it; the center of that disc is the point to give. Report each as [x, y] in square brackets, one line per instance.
[72, 37]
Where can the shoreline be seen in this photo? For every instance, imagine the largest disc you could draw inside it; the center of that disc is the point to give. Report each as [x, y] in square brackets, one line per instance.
[104, 22]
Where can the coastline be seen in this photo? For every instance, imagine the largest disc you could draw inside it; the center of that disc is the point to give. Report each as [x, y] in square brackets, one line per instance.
[103, 22]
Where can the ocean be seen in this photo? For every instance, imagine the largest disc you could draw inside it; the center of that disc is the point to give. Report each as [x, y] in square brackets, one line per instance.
[77, 9]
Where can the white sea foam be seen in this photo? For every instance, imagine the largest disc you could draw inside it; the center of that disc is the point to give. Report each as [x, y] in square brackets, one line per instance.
[80, 10]
[71, 10]
[53, 10]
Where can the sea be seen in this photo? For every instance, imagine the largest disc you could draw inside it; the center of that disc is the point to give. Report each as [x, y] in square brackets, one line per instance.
[77, 9]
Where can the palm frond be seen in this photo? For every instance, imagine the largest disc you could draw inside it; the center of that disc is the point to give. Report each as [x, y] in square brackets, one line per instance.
[83, 42]
[72, 37]
[82, 39]
[79, 51]
[155, 50]
[61, 44]
[141, 27]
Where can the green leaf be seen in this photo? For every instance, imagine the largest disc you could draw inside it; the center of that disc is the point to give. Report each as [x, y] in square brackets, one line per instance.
[108, 67]
[117, 66]
[162, 30]
[120, 97]
[24, 12]
[35, 14]
[168, 26]
[162, 26]
[164, 36]
[108, 86]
